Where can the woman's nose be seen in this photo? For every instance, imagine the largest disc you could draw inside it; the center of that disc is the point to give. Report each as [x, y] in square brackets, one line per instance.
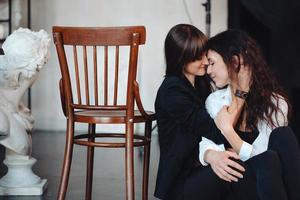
[205, 61]
[208, 69]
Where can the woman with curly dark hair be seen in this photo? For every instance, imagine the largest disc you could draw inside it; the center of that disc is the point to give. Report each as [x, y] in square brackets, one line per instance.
[260, 134]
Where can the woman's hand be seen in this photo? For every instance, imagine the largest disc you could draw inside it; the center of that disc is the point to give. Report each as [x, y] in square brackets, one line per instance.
[224, 167]
[242, 79]
[225, 120]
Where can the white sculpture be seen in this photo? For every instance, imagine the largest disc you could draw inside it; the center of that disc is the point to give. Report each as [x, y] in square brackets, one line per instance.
[26, 52]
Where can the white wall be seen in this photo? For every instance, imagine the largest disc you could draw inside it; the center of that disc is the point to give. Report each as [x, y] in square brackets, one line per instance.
[157, 15]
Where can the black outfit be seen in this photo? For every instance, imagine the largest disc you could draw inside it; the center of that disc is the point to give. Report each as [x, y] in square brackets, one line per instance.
[182, 121]
[273, 174]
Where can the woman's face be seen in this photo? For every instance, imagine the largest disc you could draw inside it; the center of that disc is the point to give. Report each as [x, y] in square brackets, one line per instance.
[217, 69]
[197, 67]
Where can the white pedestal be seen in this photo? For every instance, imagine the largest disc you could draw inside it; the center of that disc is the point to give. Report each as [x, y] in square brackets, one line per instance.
[20, 179]
[33, 190]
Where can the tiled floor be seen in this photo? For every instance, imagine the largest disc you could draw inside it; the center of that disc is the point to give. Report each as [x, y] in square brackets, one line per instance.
[108, 184]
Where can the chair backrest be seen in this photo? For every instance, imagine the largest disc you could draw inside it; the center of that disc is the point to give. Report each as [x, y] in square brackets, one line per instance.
[91, 77]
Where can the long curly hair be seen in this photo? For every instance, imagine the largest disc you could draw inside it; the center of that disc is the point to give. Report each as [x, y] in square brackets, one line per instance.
[265, 93]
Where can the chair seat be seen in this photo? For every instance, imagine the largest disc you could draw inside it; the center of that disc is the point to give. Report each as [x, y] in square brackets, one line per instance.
[110, 116]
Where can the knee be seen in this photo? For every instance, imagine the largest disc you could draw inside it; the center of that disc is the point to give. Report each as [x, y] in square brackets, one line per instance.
[282, 136]
[268, 169]
[269, 160]
[270, 156]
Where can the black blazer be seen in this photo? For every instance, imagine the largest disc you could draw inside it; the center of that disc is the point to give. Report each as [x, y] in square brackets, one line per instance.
[182, 121]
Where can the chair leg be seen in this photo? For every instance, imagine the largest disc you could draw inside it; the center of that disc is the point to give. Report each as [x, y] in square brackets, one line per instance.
[67, 161]
[129, 164]
[148, 127]
[90, 164]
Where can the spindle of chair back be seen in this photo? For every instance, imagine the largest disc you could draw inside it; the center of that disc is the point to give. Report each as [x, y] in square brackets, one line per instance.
[94, 79]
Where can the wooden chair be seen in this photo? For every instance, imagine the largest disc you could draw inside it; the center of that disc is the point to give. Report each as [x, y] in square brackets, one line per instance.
[92, 108]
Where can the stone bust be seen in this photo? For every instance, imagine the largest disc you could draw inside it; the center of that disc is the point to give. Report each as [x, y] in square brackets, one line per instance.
[25, 53]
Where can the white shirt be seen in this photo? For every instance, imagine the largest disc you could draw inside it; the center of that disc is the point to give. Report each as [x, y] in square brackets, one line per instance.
[216, 100]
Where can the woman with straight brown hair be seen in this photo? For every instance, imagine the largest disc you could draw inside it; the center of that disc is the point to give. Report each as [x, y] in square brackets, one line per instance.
[183, 120]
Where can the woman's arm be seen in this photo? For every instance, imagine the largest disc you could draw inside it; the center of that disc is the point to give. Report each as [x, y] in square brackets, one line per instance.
[228, 116]
[205, 145]
[244, 149]
[236, 107]
[240, 81]
[222, 164]
[224, 122]
[220, 160]
[177, 101]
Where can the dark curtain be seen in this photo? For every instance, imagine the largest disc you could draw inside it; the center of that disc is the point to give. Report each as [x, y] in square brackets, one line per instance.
[275, 24]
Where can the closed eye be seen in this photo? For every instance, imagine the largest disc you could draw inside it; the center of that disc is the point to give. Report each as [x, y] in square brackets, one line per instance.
[210, 62]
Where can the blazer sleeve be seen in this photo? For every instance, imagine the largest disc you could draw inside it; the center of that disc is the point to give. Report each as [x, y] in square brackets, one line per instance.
[185, 111]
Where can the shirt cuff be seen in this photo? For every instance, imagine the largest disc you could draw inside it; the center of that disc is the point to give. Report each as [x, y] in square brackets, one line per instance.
[205, 145]
[245, 151]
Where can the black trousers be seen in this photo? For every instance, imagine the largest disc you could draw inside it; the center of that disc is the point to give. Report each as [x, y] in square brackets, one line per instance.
[271, 175]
